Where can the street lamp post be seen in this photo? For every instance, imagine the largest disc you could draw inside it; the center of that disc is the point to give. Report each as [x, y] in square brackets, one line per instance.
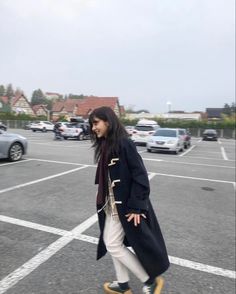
[168, 108]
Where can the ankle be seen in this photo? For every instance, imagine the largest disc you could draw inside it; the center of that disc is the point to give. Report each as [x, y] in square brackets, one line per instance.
[149, 282]
[124, 286]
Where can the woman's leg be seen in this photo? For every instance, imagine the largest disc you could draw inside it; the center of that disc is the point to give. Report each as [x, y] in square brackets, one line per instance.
[124, 259]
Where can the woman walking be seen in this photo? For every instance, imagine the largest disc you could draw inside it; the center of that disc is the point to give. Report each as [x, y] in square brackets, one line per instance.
[126, 217]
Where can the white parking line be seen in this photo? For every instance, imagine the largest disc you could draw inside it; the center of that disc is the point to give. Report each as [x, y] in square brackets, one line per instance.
[28, 267]
[199, 141]
[209, 158]
[76, 233]
[59, 145]
[59, 162]
[195, 178]
[24, 270]
[16, 162]
[142, 151]
[187, 151]
[188, 163]
[224, 153]
[42, 179]
[144, 158]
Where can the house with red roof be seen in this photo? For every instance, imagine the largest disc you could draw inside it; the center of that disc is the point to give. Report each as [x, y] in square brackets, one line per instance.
[19, 104]
[83, 107]
[40, 110]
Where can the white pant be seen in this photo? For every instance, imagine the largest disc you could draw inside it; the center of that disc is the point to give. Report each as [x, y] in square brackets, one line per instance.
[122, 257]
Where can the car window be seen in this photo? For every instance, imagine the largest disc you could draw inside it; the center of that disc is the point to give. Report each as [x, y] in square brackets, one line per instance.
[144, 128]
[166, 133]
[209, 132]
[181, 132]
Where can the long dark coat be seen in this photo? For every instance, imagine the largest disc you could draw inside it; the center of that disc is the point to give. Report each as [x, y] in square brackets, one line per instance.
[131, 191]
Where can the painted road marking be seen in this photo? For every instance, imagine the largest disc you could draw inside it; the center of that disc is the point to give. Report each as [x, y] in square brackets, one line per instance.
[42, 179]
[144, 158]
[76, 233]
[189, 163]
[209, 158]
[195, 178]
[60, 162]
[187, 151]
[224, 153]
[28, 267]
[59, 145]
[16, 162]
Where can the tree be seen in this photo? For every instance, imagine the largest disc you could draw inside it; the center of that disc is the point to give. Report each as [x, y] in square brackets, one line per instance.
[38, 98]
[18, 92]
[233, 108]
[9, 91]
[2, 90]
[229, 109]
[72, 96]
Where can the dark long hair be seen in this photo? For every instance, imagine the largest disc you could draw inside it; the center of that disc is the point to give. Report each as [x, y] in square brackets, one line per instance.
[116, 131]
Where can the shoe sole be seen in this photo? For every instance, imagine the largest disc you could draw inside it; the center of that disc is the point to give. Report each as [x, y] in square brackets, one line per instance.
[109, 291]
[160, 284]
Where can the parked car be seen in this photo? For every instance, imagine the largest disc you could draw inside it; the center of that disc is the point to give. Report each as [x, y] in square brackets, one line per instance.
[42, 126]
[143, 130]
[79, 131]
[28, 126]
[186, 137]
[210, 135]
[165, 139]
[129, 130]
[12, 146]
[2, 126]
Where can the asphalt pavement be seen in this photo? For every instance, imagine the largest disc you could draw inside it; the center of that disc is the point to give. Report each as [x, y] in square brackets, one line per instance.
[49, 230]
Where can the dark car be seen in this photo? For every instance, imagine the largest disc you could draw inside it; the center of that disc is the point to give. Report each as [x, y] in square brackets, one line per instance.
[186, 137]
[2, 126]
[209, 135]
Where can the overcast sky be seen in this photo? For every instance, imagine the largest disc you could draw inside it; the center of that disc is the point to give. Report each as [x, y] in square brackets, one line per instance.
[146, 52]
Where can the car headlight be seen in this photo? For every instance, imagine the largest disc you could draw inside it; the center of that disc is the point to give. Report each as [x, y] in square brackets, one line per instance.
[171, 142]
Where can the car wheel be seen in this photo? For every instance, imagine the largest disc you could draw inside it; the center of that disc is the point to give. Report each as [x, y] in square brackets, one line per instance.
[33, 130]
[65, 138]
[44, 130]
[15, 152]
[81, 137]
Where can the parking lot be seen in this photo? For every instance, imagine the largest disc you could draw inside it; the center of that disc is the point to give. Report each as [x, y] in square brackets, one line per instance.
[48, 223]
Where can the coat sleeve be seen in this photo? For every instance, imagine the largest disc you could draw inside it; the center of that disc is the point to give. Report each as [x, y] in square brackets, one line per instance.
[140, 188]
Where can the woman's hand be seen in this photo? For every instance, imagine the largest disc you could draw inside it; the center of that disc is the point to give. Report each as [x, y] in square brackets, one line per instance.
[136, 217]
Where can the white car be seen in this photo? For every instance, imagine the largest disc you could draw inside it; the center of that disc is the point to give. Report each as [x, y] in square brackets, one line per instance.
[165, 139]
[143, 130]
[79, 131]
[42, 126]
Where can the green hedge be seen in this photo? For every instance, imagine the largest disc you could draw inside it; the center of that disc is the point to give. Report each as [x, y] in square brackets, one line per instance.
[223, 124]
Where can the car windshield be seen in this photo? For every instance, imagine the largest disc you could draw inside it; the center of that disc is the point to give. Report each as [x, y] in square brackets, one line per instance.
[144, 128]
[166, 133]
[210, 132]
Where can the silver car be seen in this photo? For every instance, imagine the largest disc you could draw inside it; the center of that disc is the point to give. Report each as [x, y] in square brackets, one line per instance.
[12, 146]
[165, 139]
